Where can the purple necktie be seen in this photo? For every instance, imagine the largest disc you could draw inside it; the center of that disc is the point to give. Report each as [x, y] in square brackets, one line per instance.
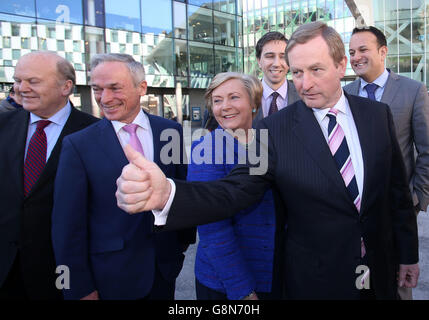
[36, 156]
[273, 105]
[134, 140]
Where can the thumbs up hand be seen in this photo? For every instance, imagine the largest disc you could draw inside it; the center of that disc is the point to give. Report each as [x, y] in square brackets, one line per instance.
[142, 185]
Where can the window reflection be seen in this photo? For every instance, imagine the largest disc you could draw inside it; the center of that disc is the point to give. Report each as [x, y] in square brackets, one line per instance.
[179, 20]
[181, 56]
[226, 59]
[224, 29]
[65, 11]
[156, 19]
[200, 24]
[124, 14]
[94, 12]
[21, 7]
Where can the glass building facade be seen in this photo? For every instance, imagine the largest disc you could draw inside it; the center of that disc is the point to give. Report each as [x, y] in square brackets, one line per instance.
[182, 44]
[404, 22]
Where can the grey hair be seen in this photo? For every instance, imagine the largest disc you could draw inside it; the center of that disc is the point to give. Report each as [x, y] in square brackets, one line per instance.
[252, 85]
[135, 67]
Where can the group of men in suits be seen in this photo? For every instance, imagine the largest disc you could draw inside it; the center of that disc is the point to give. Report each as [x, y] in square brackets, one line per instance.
[337, 167]
[336, 162]
[58, 190]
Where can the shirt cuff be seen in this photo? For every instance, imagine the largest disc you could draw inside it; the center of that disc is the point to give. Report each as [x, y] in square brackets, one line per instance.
[162, 215]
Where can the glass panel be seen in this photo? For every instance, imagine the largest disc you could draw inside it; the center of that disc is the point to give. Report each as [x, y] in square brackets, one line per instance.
[201, 3]
[124, 14]
[67, 11]
[179, 20]
[181, 55]
[404, 64]
[170, 107]
[201, 64]
[94, 12]
[21, 7]
[94, 43]
[418, 68]
[225, 59]
[391, 11]
[153, 21]
[200, 25]
[150, 103]
[405, 36]
[392, 63]
[121, 41]
[160, 59]
[225, 5]
[52, 36]
[224, 29]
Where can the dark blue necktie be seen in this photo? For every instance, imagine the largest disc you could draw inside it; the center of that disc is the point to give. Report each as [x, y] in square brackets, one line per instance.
[370, 89]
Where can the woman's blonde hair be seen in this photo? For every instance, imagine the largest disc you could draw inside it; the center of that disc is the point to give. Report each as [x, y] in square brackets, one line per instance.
[252, 85]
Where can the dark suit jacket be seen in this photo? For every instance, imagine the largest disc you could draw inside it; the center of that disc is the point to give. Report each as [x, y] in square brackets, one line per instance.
[409, 103]
[105, 248]
[324, 228]
[25, 223]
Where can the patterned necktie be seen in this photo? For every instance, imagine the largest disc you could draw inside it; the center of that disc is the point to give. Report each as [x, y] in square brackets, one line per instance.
[134, 140]
[370, 89]
[340, 151]
[36, 156]
[273, 105]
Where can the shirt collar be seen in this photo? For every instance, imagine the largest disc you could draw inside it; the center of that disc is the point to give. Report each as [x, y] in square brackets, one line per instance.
[380, 81]
[141, 120]
[282, 91]
[340, 106]
[59, 118]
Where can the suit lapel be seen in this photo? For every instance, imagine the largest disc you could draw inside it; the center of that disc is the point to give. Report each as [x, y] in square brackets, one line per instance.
[292, 94]
[156, 128]
[109, 143]
[308, 131]
[391, 89]
[363, 122]
[15, 157]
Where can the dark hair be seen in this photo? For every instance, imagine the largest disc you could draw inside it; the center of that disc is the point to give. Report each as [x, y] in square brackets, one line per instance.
[381, 38]
[269, 36]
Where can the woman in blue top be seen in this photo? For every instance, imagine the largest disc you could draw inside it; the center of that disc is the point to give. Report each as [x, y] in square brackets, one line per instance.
[235, 256]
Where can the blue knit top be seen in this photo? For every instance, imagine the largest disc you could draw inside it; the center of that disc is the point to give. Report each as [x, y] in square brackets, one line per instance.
[234, 256]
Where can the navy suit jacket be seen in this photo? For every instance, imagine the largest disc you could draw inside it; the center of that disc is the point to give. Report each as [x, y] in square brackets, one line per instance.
[324, 228]
[105, 248]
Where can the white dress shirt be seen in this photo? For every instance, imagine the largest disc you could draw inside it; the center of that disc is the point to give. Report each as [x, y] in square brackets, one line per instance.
[52, 131]
[267, 97]
[380, 81]
[144, 133]
[347, 123]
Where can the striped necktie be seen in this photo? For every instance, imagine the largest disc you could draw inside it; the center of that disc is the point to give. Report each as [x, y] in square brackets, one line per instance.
[340, 151]
[36, 156]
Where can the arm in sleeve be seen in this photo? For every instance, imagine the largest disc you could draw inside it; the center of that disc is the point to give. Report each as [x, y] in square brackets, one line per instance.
[70, 222]
[420, 127]
[403, 216]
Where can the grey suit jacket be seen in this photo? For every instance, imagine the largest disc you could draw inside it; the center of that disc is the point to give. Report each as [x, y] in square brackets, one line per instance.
[409, 102]
[6, 106]
[292, 97]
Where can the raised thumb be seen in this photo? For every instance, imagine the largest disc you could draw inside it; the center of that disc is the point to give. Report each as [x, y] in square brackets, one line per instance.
[135, 157]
